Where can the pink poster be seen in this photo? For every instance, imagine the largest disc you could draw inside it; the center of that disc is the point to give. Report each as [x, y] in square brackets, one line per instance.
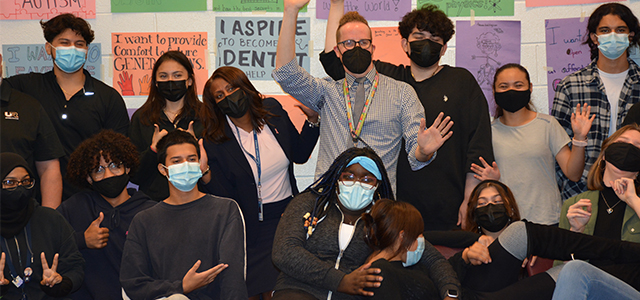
[289, 104]
[391, 10]
[535, 3]
[484, 47]
[388, 47]
[46, 9]
[565, 52]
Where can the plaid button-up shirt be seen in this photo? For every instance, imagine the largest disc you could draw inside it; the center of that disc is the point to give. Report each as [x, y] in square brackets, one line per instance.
[394, 114]
[586, 87]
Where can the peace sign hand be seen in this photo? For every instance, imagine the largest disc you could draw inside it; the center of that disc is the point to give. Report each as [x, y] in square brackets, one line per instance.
[49, 275]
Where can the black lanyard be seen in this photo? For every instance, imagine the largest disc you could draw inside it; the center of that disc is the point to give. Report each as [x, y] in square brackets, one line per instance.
[17, 280]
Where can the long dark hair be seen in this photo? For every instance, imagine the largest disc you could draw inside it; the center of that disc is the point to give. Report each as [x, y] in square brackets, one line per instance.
[213, 118]
[499, 111]
[507, 198]
[616, 9]
[325, 187]
[382, 226]
[151, 110]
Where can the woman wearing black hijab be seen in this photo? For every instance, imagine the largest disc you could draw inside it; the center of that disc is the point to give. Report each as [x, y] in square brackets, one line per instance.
[40, 259]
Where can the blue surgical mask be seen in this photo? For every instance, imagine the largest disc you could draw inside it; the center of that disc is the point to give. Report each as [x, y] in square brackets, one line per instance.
[70, 59]
[413, 257]
[613, 45]
[184, 176]
[356, 196]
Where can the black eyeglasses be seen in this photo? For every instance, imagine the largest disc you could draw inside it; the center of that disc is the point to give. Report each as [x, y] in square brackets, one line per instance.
[12, 184]
[350, 44]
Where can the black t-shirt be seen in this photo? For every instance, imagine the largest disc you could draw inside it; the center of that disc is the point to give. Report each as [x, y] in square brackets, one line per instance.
[26, 130]
[402, 283]
[97, 106]
[437, 190]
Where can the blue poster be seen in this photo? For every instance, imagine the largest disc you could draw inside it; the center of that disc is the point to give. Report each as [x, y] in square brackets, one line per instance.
[249, 44]
[27, 58]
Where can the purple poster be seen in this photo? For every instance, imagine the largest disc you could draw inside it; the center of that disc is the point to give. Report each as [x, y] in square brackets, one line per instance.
[391, 10]
[484, 47]
[565, 52]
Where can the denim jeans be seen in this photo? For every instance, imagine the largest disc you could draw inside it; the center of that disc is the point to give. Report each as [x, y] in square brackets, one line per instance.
[581, 280]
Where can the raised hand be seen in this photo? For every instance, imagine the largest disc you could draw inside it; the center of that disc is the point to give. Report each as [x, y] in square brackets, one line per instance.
[487, 171]
[581, 123]
[126, 84]
[579, 214]
[189, 130]
[295, 4]
[355, 282]
[49, 275]
[144, 83]
[431, 139]
[3, 281]
[625, 189]
[193, 281]
[96, 237]
[157, 135]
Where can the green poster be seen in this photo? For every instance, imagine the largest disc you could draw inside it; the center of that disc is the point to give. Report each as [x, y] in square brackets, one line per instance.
[250, 5]
[125, 6]
[462, 8]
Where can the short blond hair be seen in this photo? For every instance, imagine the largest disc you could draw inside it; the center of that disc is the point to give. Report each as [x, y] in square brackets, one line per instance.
[351, 16]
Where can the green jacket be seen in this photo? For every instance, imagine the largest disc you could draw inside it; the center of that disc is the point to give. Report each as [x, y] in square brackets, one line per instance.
[630, 224]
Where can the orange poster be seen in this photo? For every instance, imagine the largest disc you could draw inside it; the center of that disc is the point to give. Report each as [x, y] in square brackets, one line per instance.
[135, 53]
[388, 48]
[289, 104]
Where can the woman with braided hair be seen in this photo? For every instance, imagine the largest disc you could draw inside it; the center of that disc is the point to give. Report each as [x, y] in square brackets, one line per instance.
[319, 244]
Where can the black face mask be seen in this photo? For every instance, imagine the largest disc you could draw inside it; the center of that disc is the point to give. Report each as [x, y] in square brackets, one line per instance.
[512, 100]
[172, 90]
[492, 217]
[356, 60]
[111, 187]
[425, 53]
[235, 105]
[16, 200]
[623, 156]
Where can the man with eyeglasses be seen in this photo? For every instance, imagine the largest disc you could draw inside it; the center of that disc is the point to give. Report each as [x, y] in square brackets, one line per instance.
[27, 131]
[379, 111]
[447, 182]
[101, 216]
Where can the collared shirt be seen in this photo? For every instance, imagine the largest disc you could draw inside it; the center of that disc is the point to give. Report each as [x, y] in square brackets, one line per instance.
[95, 107]
[395, 112]
[586, 87]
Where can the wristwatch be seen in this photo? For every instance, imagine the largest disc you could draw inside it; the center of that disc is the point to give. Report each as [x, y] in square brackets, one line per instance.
[452, 294]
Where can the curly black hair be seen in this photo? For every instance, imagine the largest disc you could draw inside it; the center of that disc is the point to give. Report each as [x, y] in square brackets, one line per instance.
[428, 18]
[617, 9]
[110, 145]
[60, 23]
[325, 187]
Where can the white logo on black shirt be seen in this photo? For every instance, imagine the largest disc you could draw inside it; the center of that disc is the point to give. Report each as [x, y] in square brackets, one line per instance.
[11, 115]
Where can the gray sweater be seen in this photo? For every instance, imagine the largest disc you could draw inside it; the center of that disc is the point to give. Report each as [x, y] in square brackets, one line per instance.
[309, 264]
[165, 241]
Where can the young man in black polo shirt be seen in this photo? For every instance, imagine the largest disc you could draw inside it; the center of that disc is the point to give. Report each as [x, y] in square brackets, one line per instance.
[78, 105]
[27, 131]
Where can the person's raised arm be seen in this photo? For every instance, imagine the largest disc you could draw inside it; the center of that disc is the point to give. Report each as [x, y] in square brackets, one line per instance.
[572, 161]
[335, 14]
[50, 182]
[286, 50]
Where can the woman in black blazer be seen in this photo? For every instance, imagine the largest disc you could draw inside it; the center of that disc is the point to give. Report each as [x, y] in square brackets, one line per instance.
[251, 145]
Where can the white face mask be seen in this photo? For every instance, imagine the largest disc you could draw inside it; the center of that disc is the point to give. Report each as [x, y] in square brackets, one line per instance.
[413, 257]
[356, 196]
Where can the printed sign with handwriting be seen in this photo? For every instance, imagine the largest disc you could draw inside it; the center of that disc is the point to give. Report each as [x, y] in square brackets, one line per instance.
[250, 5]
[485, 47]
[388, 47]
[391, 10]
[125, 6]
[27, 58]
[462, 8]
[46, 9]
[565, 52]
[249, 44]
[135, 53]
